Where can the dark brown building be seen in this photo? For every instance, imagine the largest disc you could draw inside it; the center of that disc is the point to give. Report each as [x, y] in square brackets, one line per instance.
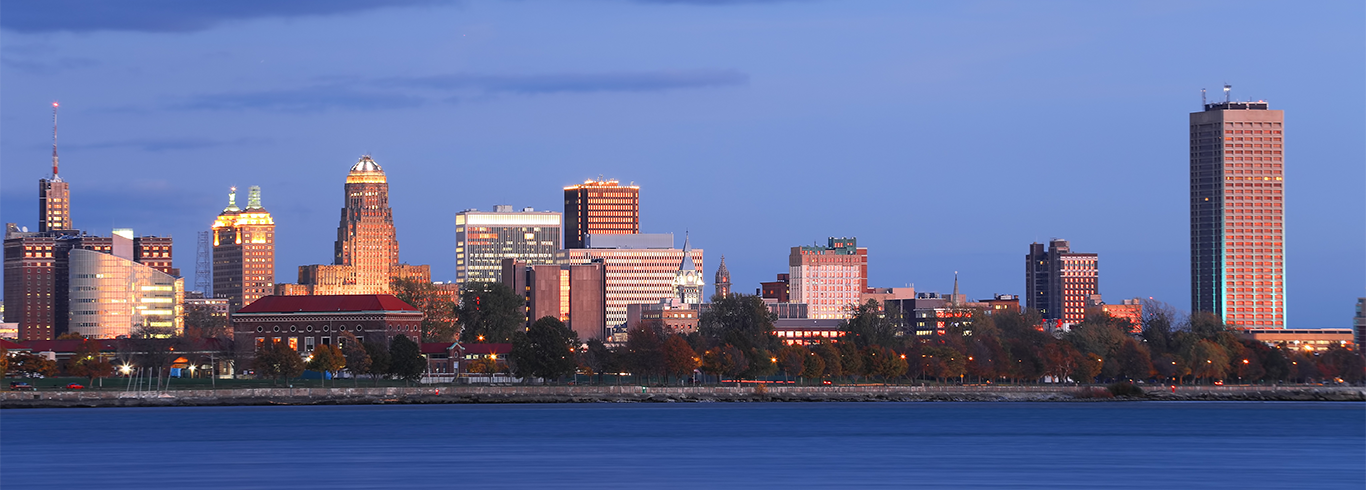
[304, 322]
[600, 207]
[776, 289]
[576, 294]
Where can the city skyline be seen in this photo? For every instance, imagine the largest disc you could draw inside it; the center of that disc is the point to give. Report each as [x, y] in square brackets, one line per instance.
[730, 185]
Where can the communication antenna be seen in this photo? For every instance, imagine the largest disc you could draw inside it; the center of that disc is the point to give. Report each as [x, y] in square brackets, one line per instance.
[54, 140]
[1227, 88]
[203, 266]
[1203, 102]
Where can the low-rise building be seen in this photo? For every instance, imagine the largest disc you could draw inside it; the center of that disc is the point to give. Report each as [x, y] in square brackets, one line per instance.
[304, 322]
[1309, 339]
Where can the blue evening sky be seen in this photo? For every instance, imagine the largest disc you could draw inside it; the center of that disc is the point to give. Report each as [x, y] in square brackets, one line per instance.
[946, 136]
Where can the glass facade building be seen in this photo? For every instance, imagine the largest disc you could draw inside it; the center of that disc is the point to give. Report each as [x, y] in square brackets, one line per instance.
[484, 238]
[112, 296]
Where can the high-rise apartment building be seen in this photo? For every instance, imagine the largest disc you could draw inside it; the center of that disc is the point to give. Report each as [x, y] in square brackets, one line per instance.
[243, 251]
[484, 238]
[600, 207]
[54, 196]
[641, 269]
[1059, 282]
[1237, 208]
[828, 279]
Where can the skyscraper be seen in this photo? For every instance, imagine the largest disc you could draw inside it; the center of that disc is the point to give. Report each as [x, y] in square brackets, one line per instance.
[243, 251]
[1058, 282]
[600, 207]
[641, 269]
[1237, 208]
[366, 238]
[483, 239]
[828, 279]
[54, 197]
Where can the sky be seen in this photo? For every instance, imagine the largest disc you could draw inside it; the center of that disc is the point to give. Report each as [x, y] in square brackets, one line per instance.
[945, 136]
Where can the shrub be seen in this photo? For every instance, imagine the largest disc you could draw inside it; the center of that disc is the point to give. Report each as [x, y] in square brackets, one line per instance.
[1125, 389]
[1092, 392]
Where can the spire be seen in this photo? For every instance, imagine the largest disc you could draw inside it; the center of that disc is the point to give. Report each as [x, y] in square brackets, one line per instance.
[687, 264]
[722, 274]
[54, 143]
[232, 200]
[954, 300]
[254, 197]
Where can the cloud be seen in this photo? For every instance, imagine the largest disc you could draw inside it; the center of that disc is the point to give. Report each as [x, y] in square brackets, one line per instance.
[576, 82]
[165, 144]
[308, 99]
[44, 66]
[717, 2]
[171, 15]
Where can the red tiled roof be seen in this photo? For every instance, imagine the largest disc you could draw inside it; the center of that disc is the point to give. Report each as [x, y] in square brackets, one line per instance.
[341, 302]
[67, 345]
[487, 348]
[11, 345]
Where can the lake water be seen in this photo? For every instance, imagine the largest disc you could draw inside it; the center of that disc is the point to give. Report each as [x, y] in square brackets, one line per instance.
[827, 445]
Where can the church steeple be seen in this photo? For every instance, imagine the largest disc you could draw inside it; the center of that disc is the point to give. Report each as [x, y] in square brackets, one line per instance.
[722, 279]
[688, 281]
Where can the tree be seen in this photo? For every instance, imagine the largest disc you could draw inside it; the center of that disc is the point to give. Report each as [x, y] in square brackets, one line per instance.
[88, 362]
[277, 361]
[830, 358]
[380, 360]
[943, 362]
[885, 363]
[868, 325]
[644, 350]
[204, 324]
[792, 359]
[726, 360]
[679, 358]
[1088, 367]
[1208, 360]
[489, 312]
[813, 367]
[1338, 362]
[327, 358]
[357, 357]
[601, 359]
[4, 361]
[405, 359]
[851, 359]
[1061, 360]
[438, 308]
[547, 350]
[30, 364]
[742, 321]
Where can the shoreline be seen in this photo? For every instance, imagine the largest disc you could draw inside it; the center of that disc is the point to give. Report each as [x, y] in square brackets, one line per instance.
[647, 394]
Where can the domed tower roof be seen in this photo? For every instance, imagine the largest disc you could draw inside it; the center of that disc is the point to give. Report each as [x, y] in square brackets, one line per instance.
[365, 170]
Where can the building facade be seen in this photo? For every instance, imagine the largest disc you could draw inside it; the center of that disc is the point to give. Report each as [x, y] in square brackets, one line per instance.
[1237, 209]
[600, 207]
[1059, 282]
[305, 322]
[634, 275]
[575, 294]
[688, 283]
[113, 296]
[830, 278]
[54, 195]
[243, 251]
[483, 239]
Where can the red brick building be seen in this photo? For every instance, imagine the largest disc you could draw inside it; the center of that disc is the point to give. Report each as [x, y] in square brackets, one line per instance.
[305, 322]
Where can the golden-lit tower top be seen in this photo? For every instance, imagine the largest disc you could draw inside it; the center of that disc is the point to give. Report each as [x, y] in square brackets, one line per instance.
[243, 251]
[365, 237]
[54, 196]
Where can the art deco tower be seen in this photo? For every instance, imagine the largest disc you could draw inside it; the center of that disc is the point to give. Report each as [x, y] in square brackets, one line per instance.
[243, 251]
[54, 197]
[365, 238]
[1237, 206]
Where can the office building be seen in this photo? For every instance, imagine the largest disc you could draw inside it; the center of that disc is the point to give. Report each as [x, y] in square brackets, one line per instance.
[828, 278]
[575, 294]
[599, 207]
[243, 251]
[1237, 209]
[110, 295]
[483, 239]
[641, 269]
[305, 322]
[779, 290]
[54, 195]
[365, 255]
[1058, 282]
[670, 315]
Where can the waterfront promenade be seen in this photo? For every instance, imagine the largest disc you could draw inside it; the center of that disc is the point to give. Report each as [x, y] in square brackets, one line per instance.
[597, 394]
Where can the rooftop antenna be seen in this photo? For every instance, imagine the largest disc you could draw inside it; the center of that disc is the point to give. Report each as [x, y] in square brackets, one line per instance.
[1227, 88]
[1203, 102]
[54, 140]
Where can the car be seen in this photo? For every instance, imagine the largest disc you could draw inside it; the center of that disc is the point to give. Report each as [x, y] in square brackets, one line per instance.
[21, 386]
[75, 386]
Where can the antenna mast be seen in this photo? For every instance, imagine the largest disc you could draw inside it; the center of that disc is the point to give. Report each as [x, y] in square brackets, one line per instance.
[1203, 102]
[1227, 88]
[54, 140]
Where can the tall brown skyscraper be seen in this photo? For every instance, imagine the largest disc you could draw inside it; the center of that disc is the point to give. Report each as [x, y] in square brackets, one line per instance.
[600, 207]
[366, 237]
[243, 251]
[54, 197]
[1237, 205]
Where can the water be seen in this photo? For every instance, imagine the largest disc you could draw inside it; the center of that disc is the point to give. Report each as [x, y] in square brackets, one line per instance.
[828, 445]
